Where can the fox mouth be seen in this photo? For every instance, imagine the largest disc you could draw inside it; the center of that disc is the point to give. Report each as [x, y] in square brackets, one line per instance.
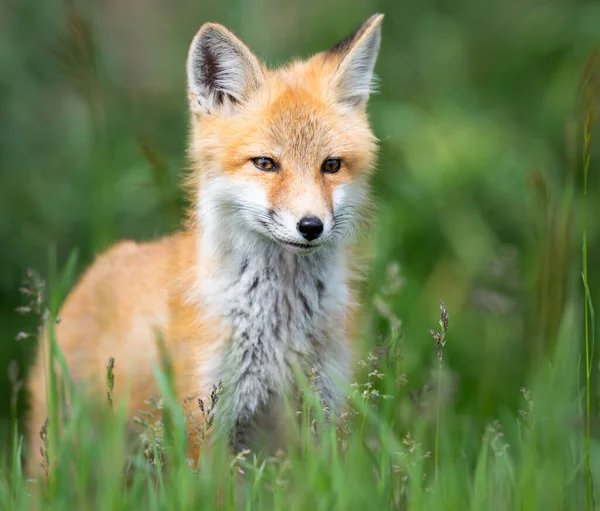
[297, 245]
[294, 246]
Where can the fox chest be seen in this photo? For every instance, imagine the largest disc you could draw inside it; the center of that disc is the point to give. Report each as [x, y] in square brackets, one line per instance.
[277, 321]
[282, 314]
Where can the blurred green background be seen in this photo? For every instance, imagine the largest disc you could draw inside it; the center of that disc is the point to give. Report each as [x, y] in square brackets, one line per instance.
[478, 188]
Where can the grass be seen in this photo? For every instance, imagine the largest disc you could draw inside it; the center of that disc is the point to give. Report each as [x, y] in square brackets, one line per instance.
[589, 93]
[440, 342]
[365, 461]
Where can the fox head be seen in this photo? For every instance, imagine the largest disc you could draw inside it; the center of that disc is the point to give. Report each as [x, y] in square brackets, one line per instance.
[281, 156]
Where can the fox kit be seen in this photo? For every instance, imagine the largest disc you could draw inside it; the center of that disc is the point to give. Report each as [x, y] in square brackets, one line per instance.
[259, 283]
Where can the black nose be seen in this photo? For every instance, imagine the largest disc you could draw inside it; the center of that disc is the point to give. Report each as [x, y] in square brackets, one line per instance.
[310, 227]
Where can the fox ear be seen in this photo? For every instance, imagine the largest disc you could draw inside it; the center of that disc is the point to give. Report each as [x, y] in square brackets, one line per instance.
[354, 78]
[222, 72]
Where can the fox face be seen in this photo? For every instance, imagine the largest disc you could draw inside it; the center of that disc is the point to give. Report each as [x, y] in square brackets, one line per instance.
[281, 156]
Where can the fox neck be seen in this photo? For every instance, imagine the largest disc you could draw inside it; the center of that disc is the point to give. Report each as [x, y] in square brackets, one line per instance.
[235, 255]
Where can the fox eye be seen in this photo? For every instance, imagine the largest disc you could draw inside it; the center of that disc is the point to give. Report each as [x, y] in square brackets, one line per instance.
[331, 166]
[264, 163]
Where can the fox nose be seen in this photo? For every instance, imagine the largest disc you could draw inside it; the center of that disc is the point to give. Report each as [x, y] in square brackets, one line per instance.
[310, 227]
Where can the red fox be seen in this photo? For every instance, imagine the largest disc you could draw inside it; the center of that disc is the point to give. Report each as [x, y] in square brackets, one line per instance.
[260, 281]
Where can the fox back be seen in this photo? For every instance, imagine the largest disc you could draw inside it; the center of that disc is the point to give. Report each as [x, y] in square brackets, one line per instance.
[259, 283]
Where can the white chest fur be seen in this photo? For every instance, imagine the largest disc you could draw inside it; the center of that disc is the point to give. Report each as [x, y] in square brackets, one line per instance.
[284, 311]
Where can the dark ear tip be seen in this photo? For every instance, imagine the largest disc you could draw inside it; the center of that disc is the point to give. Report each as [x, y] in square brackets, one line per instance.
[345, 44]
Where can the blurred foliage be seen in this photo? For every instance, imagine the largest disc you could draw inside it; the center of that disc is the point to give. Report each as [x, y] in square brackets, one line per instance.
[478, 187]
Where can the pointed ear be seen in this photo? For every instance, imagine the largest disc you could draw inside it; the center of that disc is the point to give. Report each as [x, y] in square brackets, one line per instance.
[354, 78]
[222, 72]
